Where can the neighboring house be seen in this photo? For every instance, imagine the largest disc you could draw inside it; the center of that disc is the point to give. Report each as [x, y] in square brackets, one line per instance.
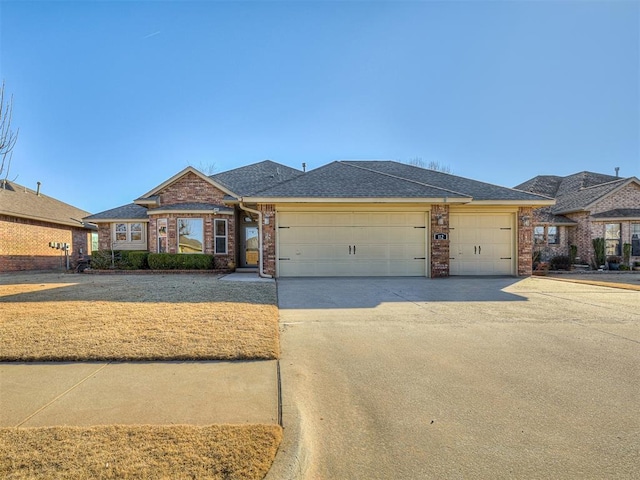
[588, 205]
[30, 221]
[355, 218]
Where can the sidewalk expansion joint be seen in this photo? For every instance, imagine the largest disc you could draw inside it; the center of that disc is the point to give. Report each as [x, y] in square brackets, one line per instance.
[61, 395]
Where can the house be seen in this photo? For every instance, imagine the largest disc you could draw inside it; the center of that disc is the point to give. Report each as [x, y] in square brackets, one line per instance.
[30, 221]
[588, 206]
[355, 218]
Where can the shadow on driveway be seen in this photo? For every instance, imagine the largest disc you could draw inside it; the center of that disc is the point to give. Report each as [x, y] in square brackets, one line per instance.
[369, 292]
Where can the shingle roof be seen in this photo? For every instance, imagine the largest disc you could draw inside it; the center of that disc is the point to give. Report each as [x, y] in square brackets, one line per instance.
[125, 212]
[619, 213]
[545, 215]
[253, 178]
[387, 179]
[19, 201]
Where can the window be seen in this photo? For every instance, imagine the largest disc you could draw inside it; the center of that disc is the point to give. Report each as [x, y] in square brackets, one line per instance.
[129, 232]
[190, 235]
[220, 236]
[552, 235]
[538, 235]
[94, 242]
[612, 238]
[635, 239]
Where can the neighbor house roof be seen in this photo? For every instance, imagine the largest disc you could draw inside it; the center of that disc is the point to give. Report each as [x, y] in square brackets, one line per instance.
[125, 212]
[22, 202]
[575, 192]
[255, 177]
[390, 180]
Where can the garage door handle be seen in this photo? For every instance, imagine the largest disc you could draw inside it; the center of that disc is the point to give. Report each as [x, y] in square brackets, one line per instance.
[349, 249]
[354, 249]
[479, 249]
[475, 250]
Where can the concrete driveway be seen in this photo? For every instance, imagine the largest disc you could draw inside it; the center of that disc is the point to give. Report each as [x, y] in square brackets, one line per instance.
[412, 378]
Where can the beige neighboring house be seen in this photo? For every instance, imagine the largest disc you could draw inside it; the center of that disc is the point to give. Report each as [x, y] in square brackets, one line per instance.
[346, 218]
[588, 205]
[30, 221]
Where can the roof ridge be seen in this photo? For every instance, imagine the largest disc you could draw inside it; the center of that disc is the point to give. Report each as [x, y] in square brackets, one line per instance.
[405, 179]
[605, 183]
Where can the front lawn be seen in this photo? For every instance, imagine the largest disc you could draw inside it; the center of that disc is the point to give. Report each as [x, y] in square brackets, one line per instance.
[76, 317]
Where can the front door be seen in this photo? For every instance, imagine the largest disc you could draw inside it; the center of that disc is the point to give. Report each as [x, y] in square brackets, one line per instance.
[249, 256]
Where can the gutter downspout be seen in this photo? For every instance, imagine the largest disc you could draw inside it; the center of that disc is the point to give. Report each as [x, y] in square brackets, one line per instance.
[259, 213]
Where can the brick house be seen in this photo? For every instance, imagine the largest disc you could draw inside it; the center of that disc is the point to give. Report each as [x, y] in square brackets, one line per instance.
[29, 221]
[588, 205]
[355, 218]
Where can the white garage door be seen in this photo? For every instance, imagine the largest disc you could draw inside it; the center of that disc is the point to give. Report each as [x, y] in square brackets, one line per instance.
[351, 244]
[481, 244]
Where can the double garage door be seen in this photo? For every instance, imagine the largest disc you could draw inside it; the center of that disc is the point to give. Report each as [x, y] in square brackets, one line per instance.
[351, 244]
[390, 244]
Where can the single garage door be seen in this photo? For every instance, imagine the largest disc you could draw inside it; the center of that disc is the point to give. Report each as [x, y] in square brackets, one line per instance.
[351, 244]
[481, 244]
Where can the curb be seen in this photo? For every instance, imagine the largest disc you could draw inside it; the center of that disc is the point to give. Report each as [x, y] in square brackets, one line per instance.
[623, 286]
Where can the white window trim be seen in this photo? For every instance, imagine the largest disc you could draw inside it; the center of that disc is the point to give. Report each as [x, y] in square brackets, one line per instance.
[128, 241]
[216, 236]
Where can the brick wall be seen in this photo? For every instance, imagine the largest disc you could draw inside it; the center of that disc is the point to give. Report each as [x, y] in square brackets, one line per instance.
[525, 241]
[190, 188]
[439, 248]
[268, 238]
[24, 244]
[626, 197]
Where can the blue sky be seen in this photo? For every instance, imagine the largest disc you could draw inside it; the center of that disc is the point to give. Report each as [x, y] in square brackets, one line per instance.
[113, 98]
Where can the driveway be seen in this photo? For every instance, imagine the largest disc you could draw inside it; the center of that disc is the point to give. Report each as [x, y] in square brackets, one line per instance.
[412, 378]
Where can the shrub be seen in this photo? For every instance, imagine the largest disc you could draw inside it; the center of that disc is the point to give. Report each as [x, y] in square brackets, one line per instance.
[101, 259]
[180, 261]
[134, 260]
[573, 253]
[598, 248]
[560, 262]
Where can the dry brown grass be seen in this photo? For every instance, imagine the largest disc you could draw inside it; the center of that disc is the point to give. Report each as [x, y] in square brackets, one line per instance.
[143, 451]
[58, 317]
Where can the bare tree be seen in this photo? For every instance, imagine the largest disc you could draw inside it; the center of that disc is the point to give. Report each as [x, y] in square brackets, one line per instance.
[431, 165]
[8, 137]
[208, 169]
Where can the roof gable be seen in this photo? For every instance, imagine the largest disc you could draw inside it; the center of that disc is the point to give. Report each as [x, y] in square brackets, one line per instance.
[19, 201]
[144, 198]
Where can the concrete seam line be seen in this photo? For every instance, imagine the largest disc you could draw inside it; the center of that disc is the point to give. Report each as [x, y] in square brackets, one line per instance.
[61, 395]
[279, 387]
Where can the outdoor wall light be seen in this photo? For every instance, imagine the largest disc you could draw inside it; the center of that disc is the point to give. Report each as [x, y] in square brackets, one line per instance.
[526, 220]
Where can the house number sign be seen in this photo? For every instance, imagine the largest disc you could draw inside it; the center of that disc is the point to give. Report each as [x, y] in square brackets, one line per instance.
[440, 236]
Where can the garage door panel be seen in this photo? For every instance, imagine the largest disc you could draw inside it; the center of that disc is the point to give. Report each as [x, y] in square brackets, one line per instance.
[318, 243]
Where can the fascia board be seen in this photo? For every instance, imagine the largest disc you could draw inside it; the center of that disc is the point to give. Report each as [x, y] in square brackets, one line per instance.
[354, 200]
[158, 211]
[520, 203]
[184, 172]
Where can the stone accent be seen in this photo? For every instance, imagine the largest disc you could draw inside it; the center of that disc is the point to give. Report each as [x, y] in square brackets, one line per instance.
[268, 238]
[24, 244]
[439, 248]
[525, 241]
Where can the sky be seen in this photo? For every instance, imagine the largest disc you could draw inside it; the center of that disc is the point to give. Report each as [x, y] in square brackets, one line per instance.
[112, 98]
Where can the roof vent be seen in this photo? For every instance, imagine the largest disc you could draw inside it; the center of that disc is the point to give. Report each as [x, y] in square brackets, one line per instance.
[617, 171]
[38, 190]
[304, 167]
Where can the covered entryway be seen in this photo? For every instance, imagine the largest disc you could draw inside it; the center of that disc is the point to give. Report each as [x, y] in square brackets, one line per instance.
[356, 243]
[482, 244]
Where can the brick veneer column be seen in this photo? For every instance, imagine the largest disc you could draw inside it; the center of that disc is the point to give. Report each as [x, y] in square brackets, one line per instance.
[268, 238]
[525, 241]
[439, 248]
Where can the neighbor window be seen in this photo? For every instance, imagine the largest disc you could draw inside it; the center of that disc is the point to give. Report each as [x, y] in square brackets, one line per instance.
[538, 235]
[220, 236]
[128, 232]
[612, 238]
[190, 235]
[552, 235]
[635, 239]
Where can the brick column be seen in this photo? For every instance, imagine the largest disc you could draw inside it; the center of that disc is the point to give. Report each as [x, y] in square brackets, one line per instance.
[268, 238]
[525, 241]
[439, 248]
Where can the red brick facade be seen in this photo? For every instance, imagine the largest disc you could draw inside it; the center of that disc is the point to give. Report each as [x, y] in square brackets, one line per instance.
[268, 238]
[439, 248]
[525, 241]
[24, 244]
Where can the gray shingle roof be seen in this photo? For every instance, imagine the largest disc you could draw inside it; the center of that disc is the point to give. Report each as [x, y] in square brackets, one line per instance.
[19, 201]
[387, 179]
[545, 215]
[253, 178]
[619, 213]
[125, 212]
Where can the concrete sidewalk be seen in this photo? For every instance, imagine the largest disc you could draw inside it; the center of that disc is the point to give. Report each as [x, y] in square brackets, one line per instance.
[161, 393]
